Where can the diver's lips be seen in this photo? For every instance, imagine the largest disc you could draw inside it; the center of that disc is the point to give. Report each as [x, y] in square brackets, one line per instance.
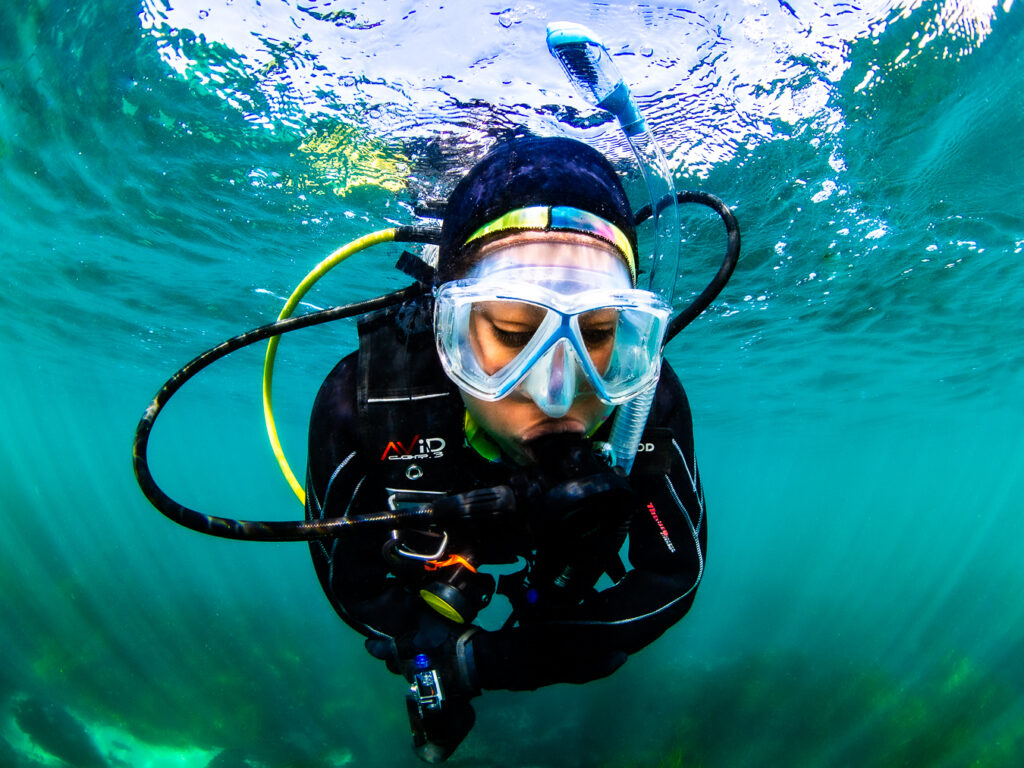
[558, 427]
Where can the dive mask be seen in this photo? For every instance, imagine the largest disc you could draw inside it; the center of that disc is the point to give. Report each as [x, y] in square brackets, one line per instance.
[551, 331]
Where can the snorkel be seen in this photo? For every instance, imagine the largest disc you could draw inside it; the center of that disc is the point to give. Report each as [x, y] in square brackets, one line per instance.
[592, 72]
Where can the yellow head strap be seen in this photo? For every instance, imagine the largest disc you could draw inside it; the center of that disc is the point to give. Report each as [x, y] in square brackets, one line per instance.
[545, 218]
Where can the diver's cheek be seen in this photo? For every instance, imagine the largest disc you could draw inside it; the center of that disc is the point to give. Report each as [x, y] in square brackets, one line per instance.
[505, 421]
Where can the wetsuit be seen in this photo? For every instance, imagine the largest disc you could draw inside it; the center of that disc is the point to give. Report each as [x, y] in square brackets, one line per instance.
[568, 643]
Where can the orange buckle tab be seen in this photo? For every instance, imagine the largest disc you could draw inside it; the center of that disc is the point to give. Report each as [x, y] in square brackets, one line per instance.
[433, 565]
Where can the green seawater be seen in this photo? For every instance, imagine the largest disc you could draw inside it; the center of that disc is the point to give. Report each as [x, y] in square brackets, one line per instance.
[170, 171]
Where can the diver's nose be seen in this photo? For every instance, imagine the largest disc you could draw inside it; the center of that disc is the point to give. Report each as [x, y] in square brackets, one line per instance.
[551, 383]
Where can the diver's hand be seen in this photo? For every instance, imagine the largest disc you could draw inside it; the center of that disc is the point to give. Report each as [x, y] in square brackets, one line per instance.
[438, 663]
[450, 653]
[454, 663]
[578, 511]
[571, 495]
[385, 649]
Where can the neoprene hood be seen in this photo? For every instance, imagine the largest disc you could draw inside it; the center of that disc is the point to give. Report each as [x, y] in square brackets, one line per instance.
[551, 171]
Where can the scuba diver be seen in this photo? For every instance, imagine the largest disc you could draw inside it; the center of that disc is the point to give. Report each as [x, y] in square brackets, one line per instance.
[507, 376]
[508, 412]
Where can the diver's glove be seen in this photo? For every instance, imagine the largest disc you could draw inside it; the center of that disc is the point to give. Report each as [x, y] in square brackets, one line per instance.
[578, 510]
[438, 664]
[446, 645]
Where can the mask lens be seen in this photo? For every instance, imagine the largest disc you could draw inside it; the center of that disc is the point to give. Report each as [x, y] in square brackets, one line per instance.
[633, 355]
[599, 329]
[499, 331]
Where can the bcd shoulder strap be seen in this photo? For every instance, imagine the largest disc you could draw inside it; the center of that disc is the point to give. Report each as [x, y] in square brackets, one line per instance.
[410, 414]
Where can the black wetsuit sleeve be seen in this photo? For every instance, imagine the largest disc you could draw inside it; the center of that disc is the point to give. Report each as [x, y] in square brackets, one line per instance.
[352, 570]
[667, 545]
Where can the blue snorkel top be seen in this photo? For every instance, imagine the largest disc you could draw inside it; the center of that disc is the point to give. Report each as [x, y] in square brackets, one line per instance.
[591, 70]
